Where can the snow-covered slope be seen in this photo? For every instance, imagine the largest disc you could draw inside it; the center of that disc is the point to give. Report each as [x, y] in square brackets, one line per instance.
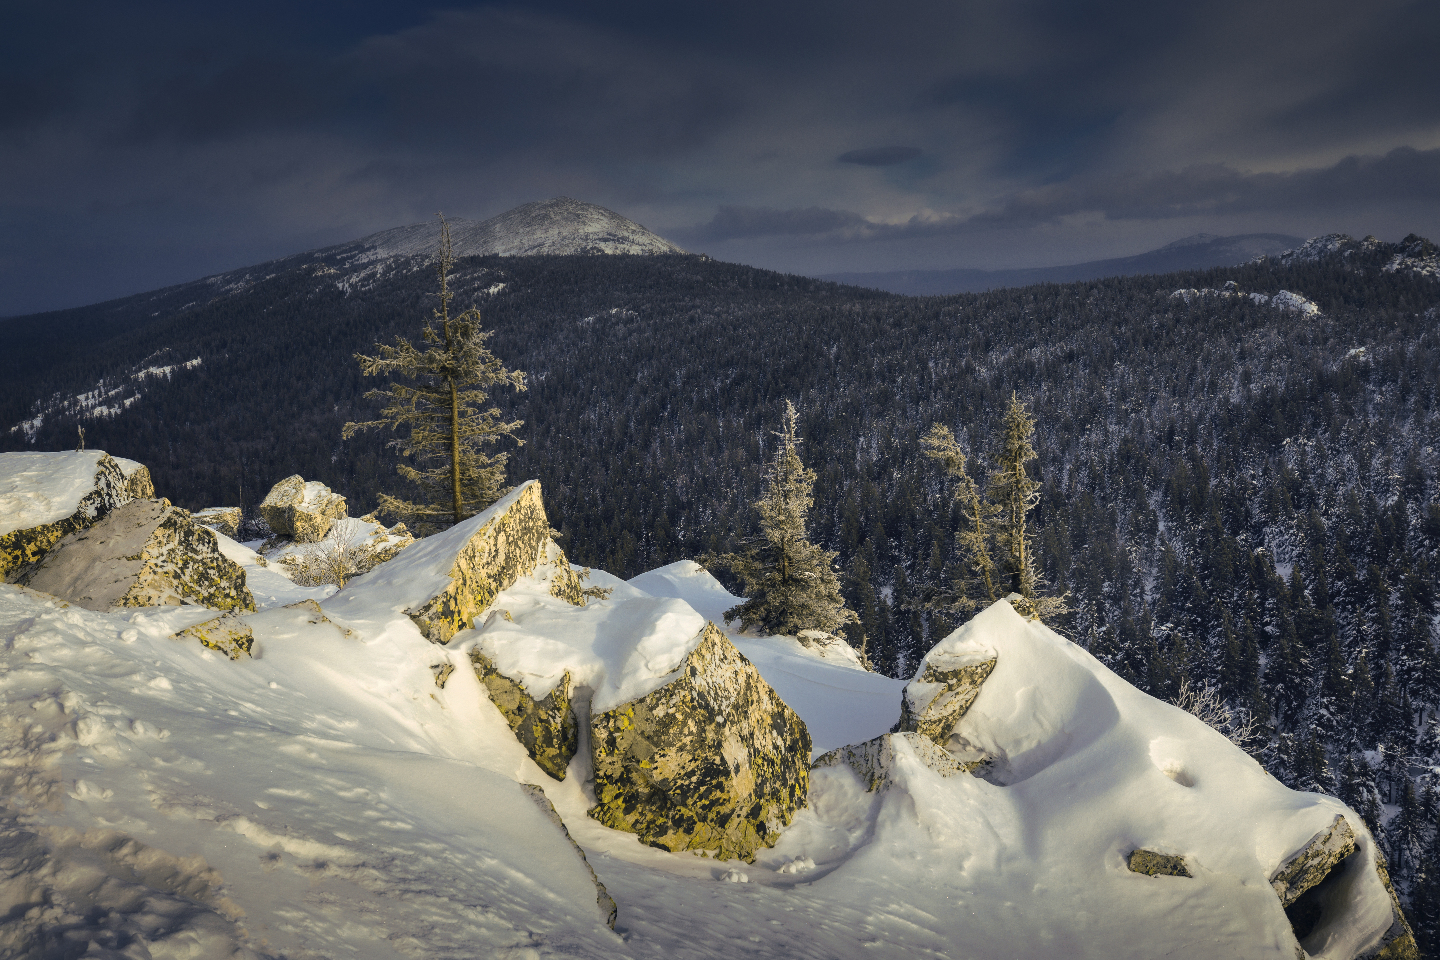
[328, 799]
[558, 226]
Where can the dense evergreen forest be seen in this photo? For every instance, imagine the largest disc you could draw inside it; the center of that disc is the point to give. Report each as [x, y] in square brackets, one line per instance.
[1234, 493]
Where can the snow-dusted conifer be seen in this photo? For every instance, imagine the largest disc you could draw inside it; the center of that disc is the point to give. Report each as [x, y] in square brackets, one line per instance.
[791, 582]
[442, 409]
[975, 584]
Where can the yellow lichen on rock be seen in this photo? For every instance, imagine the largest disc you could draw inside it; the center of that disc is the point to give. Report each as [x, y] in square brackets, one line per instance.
[935, 701]
[508, 546]
[229, 635]
[545, 727]
[301, 511]
[21, 549]
[1153, 864]
[714, 760]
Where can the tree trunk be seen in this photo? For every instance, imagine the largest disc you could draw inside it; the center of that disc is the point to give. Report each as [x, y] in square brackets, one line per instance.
[455, 452]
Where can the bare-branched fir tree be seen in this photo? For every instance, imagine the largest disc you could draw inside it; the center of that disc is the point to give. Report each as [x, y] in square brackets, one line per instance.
[443, 408]
[791, 582]
[995, 543]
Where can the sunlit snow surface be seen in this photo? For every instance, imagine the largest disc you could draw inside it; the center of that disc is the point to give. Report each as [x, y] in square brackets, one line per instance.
[327, 799]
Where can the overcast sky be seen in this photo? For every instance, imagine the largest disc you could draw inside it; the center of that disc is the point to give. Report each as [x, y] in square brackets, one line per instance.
[143, 144]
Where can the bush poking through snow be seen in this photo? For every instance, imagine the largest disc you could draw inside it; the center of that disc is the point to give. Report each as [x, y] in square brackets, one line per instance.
[1206, 703]
[333, 560]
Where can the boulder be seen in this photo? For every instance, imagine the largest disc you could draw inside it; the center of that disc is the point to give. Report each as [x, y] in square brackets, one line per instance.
[227, 634]
[46, 496]
[444, 581]
[1306, 878]
[301, 511]
[546, 727]
[1154, 864]
[713, 760]
[137, 479]
[143, 553]
[943, 690]
[225, 520]
[608, 910]
[874, 760]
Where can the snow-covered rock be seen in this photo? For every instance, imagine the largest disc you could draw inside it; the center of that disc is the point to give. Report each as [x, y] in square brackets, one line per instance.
[224, 520]
[45, 496]
[875, 761]
[301, 511]
[1284, 301]
[1417, 256]
[546, 727]
[945, 685]
[444, 581]
[143, 553]
[138, 483]
[712, 760]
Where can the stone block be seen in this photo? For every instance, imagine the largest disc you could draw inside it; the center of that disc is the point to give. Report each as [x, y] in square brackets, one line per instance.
[301, 511]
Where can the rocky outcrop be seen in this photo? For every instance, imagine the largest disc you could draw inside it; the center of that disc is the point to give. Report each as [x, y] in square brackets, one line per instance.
[937, 699]
[144, 553]
[546, 727]
[138, 484]
[608, 910]
[1154, 864]
[874, 760]
[301, 511]
[224, 520]
[229, 635]
[713, 760]
[506, 543]
[44, 497]
[1302, 882]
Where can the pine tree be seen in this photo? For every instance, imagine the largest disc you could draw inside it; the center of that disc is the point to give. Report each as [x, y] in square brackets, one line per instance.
[441, 408]
[791, 582]
[975, 583]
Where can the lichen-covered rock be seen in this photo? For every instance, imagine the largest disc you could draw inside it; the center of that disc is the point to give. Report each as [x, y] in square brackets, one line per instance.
[546, 727]
[301, 511]
[138, 484]
[713, 760]
[608, 909]
[46, 496]
[507, 544]
[1398, 943]
[227, 634]
[224, 520]
[874, 760]
[1154, 864]
[1314, 861]
[144, 553]
[937, 699]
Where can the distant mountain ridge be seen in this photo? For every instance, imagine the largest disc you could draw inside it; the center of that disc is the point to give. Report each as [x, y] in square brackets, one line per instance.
[1202, 251]
[561, 226]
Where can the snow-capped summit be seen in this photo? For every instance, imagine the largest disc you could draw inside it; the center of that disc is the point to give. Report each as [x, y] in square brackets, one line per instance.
[560, 226]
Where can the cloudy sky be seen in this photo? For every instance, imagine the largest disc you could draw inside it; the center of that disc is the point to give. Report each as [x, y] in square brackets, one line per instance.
[143, 144]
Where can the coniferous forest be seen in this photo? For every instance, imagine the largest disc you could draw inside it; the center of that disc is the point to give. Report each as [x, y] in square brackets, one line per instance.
[1235, 494]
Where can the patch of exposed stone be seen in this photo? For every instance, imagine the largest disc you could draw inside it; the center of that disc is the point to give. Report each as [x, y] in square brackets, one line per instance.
[1154, 864]
[713, 760]
[442, 673]
[21, 550]
[224, 520]
[138, 484]
[545, 727]
[317, 616]
[608, 909]
[505, 548]
[144, 553]
[301, 511]
[939, 698]
[874, 760]
[1301, 879]
[228, 634]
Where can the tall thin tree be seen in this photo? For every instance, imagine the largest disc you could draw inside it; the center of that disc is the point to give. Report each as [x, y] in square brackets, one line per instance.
[791, 582]
[441, 407]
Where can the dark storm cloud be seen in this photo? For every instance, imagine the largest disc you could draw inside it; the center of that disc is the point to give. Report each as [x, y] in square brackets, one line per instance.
[177, 138]
[879, 156]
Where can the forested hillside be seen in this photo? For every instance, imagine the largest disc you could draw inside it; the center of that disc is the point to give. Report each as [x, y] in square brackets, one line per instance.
[1235, 491]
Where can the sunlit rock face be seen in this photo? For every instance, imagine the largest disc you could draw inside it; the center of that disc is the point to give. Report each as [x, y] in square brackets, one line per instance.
[546, 727]
[45, 496]
[225, 520]
[301, 511]
[713, 760]
[143, 553]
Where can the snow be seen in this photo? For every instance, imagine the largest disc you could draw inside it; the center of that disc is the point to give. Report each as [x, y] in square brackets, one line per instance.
[37, 488]
[326, 798]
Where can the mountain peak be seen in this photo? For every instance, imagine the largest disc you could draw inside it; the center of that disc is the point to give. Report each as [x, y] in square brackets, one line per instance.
[558, 226]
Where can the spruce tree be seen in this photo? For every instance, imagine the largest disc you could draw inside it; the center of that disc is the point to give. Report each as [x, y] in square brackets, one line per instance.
[975, 582]
[441, 407]
[791, 582]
